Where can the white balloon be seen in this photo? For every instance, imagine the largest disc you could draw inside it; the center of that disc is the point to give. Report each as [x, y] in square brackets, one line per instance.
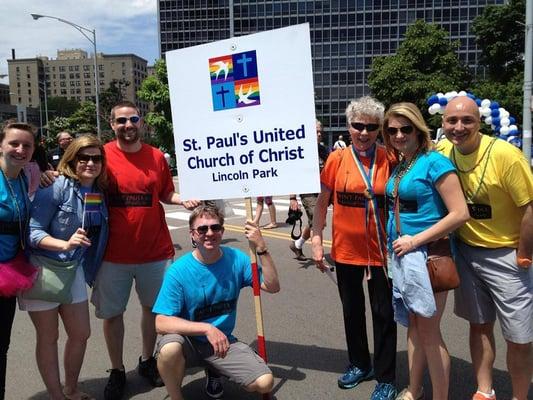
[440, 94]
[485, 111]
[504, 113]
[488, 120]
[461, 93]
[453, 93]
[504, 130]
[448, 95]
[505, 121]
[485, 103]
[434, 108]
[513, 127]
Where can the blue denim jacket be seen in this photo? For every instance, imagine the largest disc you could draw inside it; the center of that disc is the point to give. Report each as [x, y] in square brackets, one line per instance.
[57, 211]
[411, 288]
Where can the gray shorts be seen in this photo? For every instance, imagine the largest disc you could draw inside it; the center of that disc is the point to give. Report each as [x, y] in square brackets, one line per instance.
[493, 285]
[112, 287]
[241, 365]
[309, 203]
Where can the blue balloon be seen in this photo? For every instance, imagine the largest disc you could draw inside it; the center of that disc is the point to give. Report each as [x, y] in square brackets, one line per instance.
[514, 132]
[513, 120]
[503, 137]
[496, 121]
[443, 101]
[495, 112]
[497, 130]
[433, 99]
[494, 105]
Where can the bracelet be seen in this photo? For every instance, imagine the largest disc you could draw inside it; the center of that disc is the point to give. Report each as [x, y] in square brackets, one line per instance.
[521, 261]
[262, 252]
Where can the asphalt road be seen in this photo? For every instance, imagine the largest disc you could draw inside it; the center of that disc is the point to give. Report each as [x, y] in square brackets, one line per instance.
[303, 329]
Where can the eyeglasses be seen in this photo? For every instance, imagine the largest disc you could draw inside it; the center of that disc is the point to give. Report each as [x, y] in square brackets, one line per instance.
[202, 229]
[84, 158]
[133, 119]
[358, 126]
[406, 130]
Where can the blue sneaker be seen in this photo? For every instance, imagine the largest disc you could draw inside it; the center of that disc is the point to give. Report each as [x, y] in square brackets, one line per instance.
[354, 376]
[384, 391]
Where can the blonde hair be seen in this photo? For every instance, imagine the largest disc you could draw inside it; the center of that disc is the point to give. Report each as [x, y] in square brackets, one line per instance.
[67, 164]
[410, 112]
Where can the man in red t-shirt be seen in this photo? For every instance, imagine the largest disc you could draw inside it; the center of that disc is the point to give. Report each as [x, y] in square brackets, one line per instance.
[139, 247]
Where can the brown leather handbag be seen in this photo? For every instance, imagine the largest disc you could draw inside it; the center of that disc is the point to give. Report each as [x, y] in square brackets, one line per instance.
[441, 267]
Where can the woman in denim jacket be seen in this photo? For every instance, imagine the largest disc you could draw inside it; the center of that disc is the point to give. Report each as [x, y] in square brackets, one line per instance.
[425, 191]
[57, 218]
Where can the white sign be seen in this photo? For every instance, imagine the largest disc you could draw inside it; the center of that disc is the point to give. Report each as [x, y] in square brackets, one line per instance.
[244, 116]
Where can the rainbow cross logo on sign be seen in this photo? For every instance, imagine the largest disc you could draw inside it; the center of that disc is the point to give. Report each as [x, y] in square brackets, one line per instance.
[234, 81]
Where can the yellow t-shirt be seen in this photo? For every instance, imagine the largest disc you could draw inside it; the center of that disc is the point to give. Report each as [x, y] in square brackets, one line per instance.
[497, 181]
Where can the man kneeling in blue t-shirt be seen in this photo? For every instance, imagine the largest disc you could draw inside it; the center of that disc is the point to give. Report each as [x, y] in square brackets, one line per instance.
[197, 305]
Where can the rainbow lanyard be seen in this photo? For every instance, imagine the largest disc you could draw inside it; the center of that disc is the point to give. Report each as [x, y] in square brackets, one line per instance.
[371, 203]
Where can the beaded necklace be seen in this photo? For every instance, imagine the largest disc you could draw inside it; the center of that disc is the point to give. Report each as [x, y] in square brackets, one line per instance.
[12, 194]
[403, 169]
[472, 196]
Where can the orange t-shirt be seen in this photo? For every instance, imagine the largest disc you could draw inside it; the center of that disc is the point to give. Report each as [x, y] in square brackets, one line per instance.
[354, 242]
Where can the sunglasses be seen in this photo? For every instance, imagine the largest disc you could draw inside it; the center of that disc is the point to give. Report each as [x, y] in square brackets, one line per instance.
[358, 126]
[406, 130]
[202, 229]
[133, 119]
[84, 158]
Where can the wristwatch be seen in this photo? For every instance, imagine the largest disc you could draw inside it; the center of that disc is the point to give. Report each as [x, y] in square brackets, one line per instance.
[524, 262]
[261, 252]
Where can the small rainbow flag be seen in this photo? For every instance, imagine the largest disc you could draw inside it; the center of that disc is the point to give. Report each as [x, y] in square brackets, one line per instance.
[92, 202]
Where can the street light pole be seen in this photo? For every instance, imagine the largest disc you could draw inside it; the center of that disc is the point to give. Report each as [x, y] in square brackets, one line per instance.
[83, 31]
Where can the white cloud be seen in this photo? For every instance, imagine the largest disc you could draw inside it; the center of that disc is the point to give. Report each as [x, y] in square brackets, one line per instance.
[122, 26]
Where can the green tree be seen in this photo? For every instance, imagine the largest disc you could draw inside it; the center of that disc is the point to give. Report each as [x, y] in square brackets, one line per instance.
[115, 93]
[154, 90]
[500, 35]
[61, 106]
[425, 63]
[84, 119]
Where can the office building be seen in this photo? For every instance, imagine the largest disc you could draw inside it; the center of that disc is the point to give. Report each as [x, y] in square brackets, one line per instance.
[71, 75]
[345, 35]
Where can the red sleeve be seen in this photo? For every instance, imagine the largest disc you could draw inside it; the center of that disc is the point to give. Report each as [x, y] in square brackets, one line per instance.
[167, 185]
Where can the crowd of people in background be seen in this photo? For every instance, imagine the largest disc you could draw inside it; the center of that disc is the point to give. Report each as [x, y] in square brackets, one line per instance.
[393, 193]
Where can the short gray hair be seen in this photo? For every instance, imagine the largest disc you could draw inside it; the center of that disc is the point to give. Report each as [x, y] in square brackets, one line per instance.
[365, 106]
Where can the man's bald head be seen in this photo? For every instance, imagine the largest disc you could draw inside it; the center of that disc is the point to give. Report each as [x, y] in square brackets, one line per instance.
[461, 122]
[462, 103]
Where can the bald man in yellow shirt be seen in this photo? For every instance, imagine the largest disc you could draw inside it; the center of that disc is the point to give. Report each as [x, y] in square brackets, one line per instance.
[495, 246]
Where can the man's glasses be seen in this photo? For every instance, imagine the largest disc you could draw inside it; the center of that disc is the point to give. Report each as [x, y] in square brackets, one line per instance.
[358, 126]
[202, 229]
[406, 130]
[133, 119]
[84, 158]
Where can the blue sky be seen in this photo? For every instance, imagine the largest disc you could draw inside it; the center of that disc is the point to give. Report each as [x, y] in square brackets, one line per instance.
[122, 26]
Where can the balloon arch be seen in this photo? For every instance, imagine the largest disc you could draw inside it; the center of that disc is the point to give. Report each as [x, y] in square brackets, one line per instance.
[503, 124]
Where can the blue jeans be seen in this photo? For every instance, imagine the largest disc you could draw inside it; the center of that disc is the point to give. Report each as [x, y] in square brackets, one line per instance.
[411, 288]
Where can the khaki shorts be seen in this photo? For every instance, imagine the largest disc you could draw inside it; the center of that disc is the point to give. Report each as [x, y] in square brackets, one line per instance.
[309, 203]
[241, 364]
[113, 286]
[492, 285]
